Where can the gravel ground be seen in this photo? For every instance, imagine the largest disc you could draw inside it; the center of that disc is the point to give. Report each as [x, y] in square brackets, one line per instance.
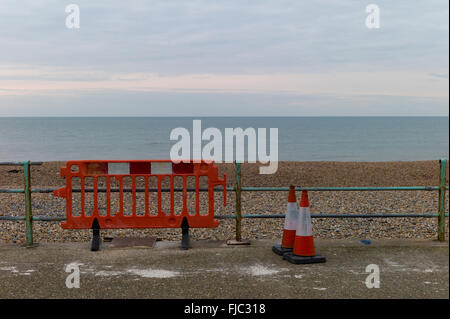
[320, 174]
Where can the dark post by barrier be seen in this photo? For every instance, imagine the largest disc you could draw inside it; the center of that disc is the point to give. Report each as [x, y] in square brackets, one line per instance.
[441, 218]
[238, 202]
[28, 211]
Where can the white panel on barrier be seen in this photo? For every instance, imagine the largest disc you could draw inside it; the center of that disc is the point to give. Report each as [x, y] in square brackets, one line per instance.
[161, 167]
[119, 168]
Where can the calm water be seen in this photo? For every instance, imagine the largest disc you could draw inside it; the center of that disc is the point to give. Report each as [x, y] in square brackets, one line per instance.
[300, 138]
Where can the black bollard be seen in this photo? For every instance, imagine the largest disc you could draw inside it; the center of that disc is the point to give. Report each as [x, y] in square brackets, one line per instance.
[95, 236]
[184, 234]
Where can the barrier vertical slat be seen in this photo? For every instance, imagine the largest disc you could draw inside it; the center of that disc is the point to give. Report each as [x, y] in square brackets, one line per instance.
[133, 186]
[146, 194]
[238, 202]
[441, 218]
[108, 195]
[82, 196]
[95, 181]
[172, 196]
[184, 210]
[69, 195]
[210, 198]
[28, 212]
[121, 195]
[159, 197]
[197, 195]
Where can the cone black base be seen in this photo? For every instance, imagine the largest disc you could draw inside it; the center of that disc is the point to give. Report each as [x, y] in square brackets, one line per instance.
[277, 249]
[296, 259]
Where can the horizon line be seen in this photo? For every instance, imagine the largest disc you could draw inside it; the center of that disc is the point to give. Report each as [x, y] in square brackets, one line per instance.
[214, 116]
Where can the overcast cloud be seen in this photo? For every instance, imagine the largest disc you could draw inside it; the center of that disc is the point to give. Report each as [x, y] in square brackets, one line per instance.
[204, 57]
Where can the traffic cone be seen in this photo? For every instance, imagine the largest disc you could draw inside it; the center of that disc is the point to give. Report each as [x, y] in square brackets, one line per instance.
[304, 251]
[290, 225]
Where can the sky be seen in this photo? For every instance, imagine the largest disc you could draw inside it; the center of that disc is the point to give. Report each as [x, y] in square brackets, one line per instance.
[224, 58]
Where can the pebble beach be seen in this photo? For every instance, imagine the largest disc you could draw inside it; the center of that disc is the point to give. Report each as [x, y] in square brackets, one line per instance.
[308, 174]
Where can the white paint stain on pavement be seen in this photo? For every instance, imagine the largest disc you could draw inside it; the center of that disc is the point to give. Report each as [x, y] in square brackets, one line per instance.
[11, 269]
[253, 270]
[75, 263]
[106, 273]
[14, 270]
[391, 263]
[261, 270]
[154, 273]
[144, 273]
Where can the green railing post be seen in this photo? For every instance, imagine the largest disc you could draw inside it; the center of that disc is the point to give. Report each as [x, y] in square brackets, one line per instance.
[441, 218]
[238, 202]
[28, 212]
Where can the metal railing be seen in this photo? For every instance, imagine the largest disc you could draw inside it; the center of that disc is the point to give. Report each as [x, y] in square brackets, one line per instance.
[238, 189]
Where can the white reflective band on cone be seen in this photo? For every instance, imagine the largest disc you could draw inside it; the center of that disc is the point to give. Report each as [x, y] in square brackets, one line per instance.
[119, 168]
[290, 222]
[304, 226]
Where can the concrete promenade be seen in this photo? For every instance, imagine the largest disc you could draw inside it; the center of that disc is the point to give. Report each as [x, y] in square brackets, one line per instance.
[211, 269]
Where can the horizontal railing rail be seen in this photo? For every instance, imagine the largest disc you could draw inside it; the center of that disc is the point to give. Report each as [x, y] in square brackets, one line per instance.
[19, 163]
[243, 189]
[238, 189]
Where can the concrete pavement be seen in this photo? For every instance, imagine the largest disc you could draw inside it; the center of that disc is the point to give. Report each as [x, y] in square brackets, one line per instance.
[211, 269]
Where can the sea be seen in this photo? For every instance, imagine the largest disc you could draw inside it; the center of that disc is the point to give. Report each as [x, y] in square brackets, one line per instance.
[362, 139]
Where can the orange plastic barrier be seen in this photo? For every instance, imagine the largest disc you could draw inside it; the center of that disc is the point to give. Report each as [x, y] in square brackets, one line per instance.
[144, 170]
